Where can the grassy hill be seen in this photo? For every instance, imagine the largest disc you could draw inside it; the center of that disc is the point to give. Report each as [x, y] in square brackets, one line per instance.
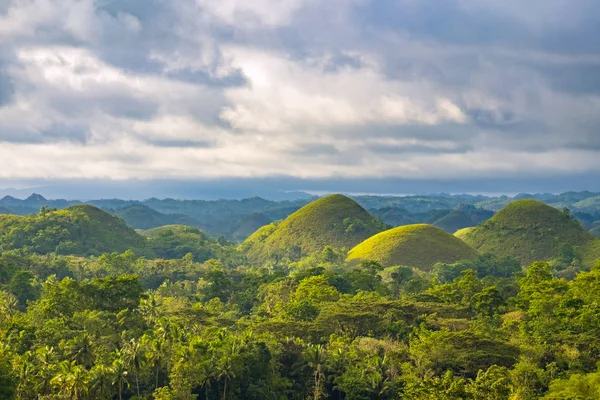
[78, 230]
[139, 216]
[250, 224]
[529, 231]
[595, 231]
[419, 246]
[333, 220]
[175, 241]
[454, 221]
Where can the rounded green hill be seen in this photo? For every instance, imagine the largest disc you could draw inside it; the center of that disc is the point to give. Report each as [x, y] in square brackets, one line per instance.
[418, 246]
[175, 241]
[333, 220]
[454, 221]
[529, 231]
[78, 230]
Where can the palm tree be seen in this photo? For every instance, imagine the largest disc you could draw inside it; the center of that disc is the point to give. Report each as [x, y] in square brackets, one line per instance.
[71, 380]
[81, 350]
[150, 308]
[225, 366]
[155, 356]
[316, 356]
[77, 383]
[120, 375]
[100, 381]
[47, 362]
[9, 305]
[380, 376]
[134, 358]
[225, 372]
[26, 372]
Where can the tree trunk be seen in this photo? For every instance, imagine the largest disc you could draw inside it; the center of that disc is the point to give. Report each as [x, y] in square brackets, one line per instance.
[137, 382]
[225, 389]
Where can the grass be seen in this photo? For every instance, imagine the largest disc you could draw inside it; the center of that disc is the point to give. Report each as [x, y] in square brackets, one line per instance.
[418, 246]
[462, 233]
[529, 231]
[333, 220]
[590, 252]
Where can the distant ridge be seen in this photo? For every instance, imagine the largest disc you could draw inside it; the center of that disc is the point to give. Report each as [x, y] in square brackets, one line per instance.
[35, 198]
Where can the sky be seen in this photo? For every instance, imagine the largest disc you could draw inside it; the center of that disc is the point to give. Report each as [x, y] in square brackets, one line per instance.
[394, 96]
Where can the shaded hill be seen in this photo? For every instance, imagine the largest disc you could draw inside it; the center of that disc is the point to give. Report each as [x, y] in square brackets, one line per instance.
[78, 230]
[393, 216]
[529, 231]
[175, 241]
[4, 210]
[250, 224]
[454, 221]
[334, 220]
[419, 246]
[595, 231]
[139, 216]
[463, 217]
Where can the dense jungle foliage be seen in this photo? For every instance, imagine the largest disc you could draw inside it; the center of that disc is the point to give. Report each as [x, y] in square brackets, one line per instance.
[119, 326]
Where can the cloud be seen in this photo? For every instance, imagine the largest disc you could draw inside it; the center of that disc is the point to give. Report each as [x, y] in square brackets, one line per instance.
[207, 89]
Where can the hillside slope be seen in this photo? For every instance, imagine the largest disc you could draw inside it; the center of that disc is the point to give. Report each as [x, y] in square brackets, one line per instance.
[454, 221]
[529, 231]
[139, 216]
[78, 230]
[462, 233]
[250, 224]
[419, 246]
[175, 241]
[334, 220]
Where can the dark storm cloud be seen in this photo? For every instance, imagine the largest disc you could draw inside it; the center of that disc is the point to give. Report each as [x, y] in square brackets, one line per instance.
[7, 88]
[200, 144]
[417, 149]
[341, 61]
[77, 133]
[314, 149]
[203, 77]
